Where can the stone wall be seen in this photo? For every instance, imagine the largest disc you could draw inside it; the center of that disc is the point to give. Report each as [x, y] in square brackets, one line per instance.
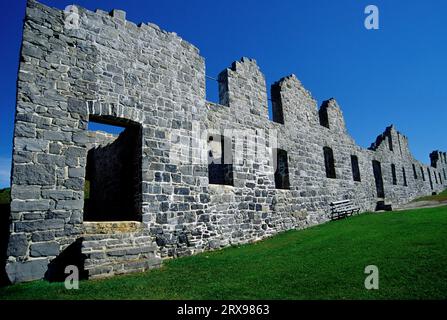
[108, 68]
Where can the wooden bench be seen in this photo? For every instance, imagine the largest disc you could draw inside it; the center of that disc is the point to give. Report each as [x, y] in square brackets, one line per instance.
[342, 209]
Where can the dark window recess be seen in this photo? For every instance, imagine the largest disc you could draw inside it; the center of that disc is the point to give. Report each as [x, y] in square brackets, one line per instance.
[113, 187]
[277, 110]
[423, 174]
[377, 169]
[436, 177]
[404, 174]
[429, 178]
[220, 160]
[415, 174]
[355, 168]
[222, 80]
[390, 141]
[434, 157]
[329, 163]
[445, 176]
[393, 174]
[281, 169]
[440, 178]
[324, 117]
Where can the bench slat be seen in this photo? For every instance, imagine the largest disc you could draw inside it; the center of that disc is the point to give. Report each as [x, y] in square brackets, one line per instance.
[339, 202]
[343, 208]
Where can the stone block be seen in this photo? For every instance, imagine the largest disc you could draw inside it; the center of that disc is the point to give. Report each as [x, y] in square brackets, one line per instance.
[39, 225]
[26, 271]
[18, 245]
[25, 192]
[119, 14]
[30, 205]
[76, 172]
[28, 144]
[44, 249]
[34, 174]
[57, 136]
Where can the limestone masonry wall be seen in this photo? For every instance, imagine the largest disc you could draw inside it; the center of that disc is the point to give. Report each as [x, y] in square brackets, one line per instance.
[153, 82]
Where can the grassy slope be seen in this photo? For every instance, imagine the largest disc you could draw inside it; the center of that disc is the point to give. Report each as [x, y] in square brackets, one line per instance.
[324, 262]
[5, 196]
[439, 197]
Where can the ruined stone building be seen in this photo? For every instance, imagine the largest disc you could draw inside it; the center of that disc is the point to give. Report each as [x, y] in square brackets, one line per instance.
[151, 193]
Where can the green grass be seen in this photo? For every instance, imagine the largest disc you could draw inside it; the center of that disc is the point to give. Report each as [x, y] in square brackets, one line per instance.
[439, 197]
[87, 190]
[323, 262]
[5, 196]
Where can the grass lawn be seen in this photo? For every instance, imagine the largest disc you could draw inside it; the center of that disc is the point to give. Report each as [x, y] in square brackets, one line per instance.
[323, 262]
[5, 197]
[439, 197]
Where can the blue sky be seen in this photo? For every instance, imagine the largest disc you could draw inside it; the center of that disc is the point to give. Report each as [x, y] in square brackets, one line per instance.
[396, 74]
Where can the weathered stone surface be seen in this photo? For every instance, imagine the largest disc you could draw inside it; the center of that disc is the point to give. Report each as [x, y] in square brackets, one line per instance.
[77, 106]
[30, 205]
[42, 236]
[44, 249]
[57, 194]
[25, 192]
[119, 14]
[112, 227]
[18, 245]
[39, 225]
[69, 204]
[25, 130]
[33, 174]
[26, 271]
[75, 184]
[27, 144]
[57, 136]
